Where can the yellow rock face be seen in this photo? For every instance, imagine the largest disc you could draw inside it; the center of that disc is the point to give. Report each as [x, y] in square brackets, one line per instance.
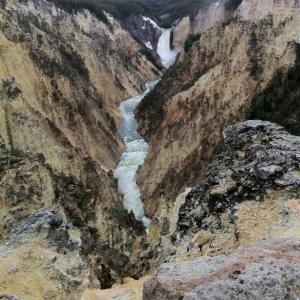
[63, 114]
[62, 78]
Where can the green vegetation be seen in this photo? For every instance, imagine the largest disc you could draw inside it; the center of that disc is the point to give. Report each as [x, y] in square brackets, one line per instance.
[191, 39]
[179, 77]
[256, 68]
[9, 133]
[148, 53]
[164, 12]
[76, 5]
[2, 3]
[168, 11]
[232, 5]
[69, 65]
[74, 60]
[228, 21]
[279, 102]
[111, 122]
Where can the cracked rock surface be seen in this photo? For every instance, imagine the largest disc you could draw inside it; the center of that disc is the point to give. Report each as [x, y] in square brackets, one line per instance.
[249, 181]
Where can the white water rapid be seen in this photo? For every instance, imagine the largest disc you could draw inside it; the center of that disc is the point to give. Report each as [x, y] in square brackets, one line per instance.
[166, 54]
[132, 157]
[136, 147]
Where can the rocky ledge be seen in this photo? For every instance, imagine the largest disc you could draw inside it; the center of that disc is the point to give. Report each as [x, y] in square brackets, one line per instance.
[45, 243]
[266, 270]
[248, 200]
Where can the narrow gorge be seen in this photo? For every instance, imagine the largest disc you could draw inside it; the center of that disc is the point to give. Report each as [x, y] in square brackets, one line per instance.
[132, 157]
[136, 147]
[189, 189]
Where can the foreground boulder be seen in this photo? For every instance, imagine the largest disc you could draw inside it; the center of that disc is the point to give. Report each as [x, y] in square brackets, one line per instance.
[242, 222]
[268, 269]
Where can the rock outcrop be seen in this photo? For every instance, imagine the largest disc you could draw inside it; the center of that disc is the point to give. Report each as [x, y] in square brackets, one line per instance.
[244, 187]
[41, 260]
[248, 200]
[266, 270]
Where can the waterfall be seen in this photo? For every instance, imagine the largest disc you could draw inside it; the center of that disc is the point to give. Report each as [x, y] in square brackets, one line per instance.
[133, 156]
[166, 54]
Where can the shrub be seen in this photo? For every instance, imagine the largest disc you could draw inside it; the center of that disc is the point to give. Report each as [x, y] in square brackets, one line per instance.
[232, 5]
[279, 102]
[191, 39]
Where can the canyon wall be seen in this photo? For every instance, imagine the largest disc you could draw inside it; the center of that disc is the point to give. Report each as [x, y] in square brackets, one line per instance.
[209, 87]
[70, 73]
[63, 77]
[206, 18]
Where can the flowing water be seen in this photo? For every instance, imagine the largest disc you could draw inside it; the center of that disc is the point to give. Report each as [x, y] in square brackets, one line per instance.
[166, 54]
[132, 157]
[136, 147]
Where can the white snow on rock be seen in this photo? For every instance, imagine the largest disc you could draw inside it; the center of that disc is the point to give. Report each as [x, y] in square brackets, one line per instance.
[149, 46]
[151, 21]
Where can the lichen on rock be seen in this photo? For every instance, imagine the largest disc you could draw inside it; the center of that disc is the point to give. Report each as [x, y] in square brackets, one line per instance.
[259, 169]
[41, 260]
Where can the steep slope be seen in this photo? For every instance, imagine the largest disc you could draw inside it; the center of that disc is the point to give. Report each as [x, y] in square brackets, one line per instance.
[207, 89]
[279, 101]
[71, 72]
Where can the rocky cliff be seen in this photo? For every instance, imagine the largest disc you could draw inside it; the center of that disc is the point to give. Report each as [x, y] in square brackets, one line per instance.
[206, 18]
[248, 200]
[208, 88]
[144, 30]
[68, 73]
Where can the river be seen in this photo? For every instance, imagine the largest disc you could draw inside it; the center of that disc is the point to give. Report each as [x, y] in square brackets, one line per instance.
[133, 156]
[136, 147]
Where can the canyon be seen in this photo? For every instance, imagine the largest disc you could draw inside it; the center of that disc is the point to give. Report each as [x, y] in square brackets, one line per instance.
[208, 88]
[221, 193]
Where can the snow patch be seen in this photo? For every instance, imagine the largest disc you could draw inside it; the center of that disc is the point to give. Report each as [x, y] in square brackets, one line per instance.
[151, 21]
[149, 46]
